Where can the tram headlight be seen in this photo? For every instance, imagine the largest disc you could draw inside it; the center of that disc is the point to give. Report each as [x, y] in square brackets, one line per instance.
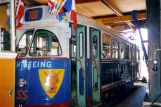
[22, 82]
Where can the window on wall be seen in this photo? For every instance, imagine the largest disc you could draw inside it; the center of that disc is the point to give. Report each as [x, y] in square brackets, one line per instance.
[106, 43]
[45, 43]
[115, 48]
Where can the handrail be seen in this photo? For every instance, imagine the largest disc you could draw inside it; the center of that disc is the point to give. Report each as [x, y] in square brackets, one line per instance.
[81, 68]
[94, 60]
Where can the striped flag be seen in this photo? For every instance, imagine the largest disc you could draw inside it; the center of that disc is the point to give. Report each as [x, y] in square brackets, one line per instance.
[19, 12]
[73, 14]
[70, 7]
[56, 7]
[51, 6]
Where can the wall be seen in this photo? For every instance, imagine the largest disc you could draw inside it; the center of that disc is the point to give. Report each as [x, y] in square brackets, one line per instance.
[3, 17]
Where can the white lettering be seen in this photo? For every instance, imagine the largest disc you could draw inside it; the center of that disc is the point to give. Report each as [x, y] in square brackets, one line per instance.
[49, 64]
[42, 64]
[34, 64]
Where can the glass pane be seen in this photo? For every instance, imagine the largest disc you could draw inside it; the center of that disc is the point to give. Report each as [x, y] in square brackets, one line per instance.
[45, 43]
[81, 44]
[24, 42]
[95, 48]
[106, 52]
[122, 50]
[115, 45]
[126, 51]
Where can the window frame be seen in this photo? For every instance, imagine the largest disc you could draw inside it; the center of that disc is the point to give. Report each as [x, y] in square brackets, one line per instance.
[48, 47]
[81, 52]
[27, 51]
[115, 40]
[109, 46]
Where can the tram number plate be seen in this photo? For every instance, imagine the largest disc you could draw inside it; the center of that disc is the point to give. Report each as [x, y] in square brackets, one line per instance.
[33, 14]
[22, 95]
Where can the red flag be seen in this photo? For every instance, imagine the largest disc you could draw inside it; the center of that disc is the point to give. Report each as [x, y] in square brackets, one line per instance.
[73, 14]
[19, 12]
[51, 6]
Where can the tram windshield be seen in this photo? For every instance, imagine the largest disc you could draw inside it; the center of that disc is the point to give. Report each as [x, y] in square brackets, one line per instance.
[24, 42]
[45, 43]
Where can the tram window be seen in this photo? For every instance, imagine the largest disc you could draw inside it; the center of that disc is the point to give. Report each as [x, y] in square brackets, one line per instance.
[106, 43]
[122, 50]
[131, 52]
[95, 46]
[73, 46]
[134, 54]
[115, 48]
[45, 43]
[24, 42]
[126, 51]
[81, 44]
[138, 54]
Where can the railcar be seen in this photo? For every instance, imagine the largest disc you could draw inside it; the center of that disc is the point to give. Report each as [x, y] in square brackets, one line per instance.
[59, 66]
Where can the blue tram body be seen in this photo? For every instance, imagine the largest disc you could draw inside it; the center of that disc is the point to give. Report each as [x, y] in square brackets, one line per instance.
[31, 69]
[59, 66]
[114, 73]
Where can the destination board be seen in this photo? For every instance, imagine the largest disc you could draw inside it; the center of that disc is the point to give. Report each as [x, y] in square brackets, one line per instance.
[33, 14]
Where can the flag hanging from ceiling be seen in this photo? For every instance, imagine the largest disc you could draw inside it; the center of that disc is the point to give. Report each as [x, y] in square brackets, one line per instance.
[70, 7]
[56, 8]
[51, 6]
[73, 14]
[19, 12]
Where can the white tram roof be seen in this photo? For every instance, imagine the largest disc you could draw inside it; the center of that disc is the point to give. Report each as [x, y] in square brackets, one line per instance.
[38, 17]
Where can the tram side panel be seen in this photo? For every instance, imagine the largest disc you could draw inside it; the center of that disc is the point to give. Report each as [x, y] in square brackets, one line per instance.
[45, 82]
[114, 73]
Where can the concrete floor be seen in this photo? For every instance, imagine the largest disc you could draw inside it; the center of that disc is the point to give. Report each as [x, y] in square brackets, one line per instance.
[135, 99]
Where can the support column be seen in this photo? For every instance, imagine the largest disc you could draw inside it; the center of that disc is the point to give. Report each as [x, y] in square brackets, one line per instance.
[153, 25]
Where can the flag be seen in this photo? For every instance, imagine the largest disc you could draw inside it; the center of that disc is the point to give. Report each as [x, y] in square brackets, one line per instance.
[60, 7]
[56, 7]
[73, 14]
[61, 15]
[51, 6]
[8, 14]
[70, 7]
[19, 12]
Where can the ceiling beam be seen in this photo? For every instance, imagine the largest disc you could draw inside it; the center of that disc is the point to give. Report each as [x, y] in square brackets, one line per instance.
[140, 16]
[85, 1]
[117, 12]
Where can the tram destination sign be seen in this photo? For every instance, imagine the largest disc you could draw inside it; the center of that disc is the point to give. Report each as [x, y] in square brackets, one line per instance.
[33, 14]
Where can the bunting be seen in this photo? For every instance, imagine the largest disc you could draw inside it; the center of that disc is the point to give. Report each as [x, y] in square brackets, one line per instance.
[60, 7]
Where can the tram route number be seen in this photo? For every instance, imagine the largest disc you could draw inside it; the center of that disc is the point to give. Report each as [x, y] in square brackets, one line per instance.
[33, 15]
[22, 95]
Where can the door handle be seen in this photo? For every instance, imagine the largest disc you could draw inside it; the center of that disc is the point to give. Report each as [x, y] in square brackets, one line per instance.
[81, 68]
[94, 60]
[10, 93]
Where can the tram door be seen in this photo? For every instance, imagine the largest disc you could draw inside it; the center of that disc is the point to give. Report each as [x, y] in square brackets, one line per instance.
[81, 56]
[95, 65]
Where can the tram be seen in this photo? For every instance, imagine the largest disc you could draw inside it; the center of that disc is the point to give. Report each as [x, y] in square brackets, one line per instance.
[59, 66]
